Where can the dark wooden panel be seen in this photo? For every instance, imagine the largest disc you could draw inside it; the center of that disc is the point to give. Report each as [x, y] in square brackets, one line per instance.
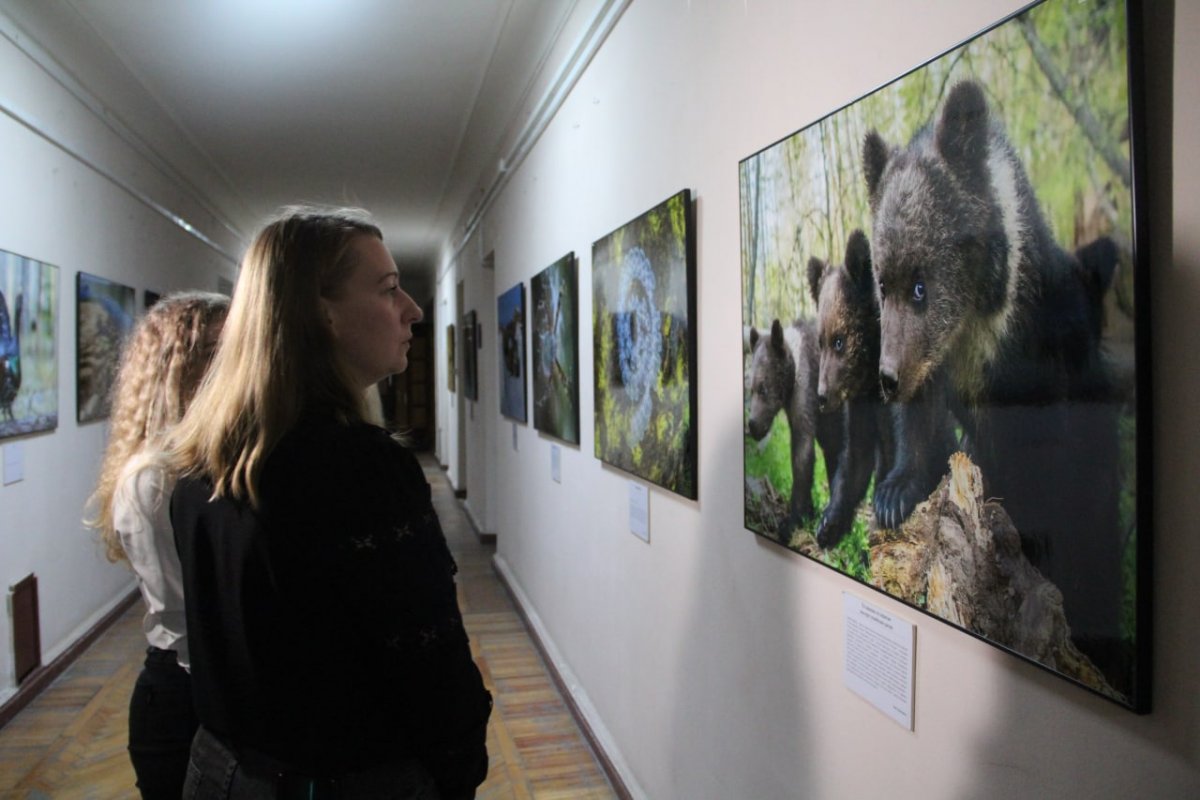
[27, 630]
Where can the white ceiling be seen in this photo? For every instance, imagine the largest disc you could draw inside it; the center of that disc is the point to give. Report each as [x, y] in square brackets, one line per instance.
[401, 106]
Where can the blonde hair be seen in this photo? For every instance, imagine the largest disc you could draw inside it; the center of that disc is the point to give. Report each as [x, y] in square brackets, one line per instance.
[276, 360]
[159, 369]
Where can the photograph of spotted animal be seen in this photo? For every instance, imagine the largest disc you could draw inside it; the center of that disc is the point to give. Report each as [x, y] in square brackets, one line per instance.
[981, 331]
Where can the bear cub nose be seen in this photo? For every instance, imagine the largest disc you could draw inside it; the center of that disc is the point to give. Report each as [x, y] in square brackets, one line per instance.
[888, 384]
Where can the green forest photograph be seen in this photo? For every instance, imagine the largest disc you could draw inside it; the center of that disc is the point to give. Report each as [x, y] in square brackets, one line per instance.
[643, 279]
[555, 331]
[941, 360]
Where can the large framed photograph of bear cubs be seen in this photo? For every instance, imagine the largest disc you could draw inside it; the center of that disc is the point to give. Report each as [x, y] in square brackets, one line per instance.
[946, 353]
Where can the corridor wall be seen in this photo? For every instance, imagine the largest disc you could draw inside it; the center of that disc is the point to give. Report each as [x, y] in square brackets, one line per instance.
[81, 194]
[709, 661]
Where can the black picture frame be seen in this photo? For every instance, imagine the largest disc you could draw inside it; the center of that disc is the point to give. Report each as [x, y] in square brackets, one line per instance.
[644, 346]
[554, 339]
[451, 362]
[470, 358]
[968, 244]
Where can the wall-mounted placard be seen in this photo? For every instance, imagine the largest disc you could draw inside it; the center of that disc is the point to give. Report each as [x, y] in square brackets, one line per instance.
[879, 651]
[639, 511]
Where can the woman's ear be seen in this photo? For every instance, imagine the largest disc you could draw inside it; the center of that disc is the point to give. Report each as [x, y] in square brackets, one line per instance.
[326, 311]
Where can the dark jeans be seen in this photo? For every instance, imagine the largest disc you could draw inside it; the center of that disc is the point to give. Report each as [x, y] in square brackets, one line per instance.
[162, 723]
[216, 773]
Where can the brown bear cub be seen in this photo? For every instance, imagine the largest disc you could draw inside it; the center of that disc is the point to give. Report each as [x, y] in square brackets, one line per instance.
[783, 377]
[973, 287]
[848, 385]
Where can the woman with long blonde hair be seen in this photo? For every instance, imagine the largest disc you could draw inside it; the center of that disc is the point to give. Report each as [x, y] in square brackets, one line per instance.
[328, 649]
[160, 368]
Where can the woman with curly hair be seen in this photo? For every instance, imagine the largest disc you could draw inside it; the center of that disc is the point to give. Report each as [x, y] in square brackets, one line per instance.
[329, 657]
[161, 366]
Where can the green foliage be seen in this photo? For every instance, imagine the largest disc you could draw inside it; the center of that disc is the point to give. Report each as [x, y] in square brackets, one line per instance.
[642, 350]
[771, 459]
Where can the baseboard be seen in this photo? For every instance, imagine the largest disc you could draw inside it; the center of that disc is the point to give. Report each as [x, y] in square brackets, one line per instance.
[484, 538]
[611, 761]
[44, 675]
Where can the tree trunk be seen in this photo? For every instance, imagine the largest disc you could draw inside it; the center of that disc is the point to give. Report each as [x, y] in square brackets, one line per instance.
[959, 557]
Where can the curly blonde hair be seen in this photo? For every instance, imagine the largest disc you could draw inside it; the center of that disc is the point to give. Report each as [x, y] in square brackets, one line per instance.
[160, 368]
[277, 358]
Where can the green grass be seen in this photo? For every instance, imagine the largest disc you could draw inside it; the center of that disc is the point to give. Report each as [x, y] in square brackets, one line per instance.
[772, 459]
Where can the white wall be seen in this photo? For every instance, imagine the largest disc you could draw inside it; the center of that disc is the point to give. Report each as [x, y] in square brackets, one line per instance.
[709, 659]
[99, 211]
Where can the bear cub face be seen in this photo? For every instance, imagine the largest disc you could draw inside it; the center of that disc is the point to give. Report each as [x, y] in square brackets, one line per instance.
[847, 325]
[946, 236]
[772, 379]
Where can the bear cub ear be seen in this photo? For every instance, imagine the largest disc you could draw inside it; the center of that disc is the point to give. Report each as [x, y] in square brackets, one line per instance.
[816, 270]
[777, 336]
[858, 263]
[753, 339]
[962, 131]
[875, 155]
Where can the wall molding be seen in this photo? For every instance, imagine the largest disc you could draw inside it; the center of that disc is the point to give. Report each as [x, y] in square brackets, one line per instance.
[37, 55]
[44, 675]
[540, 116]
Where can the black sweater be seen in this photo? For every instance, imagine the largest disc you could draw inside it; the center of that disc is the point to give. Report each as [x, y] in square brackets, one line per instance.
[324, 627]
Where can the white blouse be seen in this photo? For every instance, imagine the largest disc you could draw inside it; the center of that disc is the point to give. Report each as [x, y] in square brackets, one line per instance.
[140, 515]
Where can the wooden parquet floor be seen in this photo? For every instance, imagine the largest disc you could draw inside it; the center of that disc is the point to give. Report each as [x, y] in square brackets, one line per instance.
[70, 741]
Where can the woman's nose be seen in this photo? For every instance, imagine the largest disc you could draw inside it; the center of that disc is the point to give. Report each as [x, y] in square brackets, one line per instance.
[415, 314]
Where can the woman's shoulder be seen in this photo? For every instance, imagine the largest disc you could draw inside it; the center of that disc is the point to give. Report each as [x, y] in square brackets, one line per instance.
[144, 478]
[327, 445]
[328, 436]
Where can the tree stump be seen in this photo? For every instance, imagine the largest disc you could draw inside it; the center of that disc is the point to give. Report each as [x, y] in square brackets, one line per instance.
[959, 557]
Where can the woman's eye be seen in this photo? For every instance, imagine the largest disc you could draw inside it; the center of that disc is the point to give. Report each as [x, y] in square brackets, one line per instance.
[919, 291]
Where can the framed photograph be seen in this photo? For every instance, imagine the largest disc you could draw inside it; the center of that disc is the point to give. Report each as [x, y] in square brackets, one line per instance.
[104, 316]
[510, 314]
[451, 365]
[644, 340]
[945, 328]
[555, 333]
[28, 346]
[470, 357]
